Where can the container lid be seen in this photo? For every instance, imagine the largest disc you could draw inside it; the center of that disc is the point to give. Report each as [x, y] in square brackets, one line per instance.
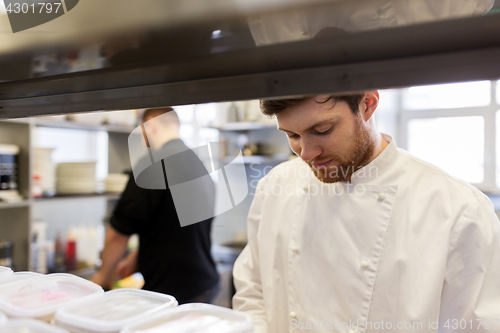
[17, 276]
[42, 296]
[194, 318]
[29, 326]
[9, 149]
[5, 270]
[110, 311]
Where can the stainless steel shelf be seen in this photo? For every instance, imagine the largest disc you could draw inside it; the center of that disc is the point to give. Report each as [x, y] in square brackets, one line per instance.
[278, 158]
[6, 205]
[244, 126]
[82, 126]
[109, 196]
[451, 51]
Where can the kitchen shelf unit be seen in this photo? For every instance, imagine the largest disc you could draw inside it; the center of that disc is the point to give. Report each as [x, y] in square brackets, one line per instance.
[254, 132]
[16, 217]
[244, 126]
[22, 203]
[268, 159]
[108, 196]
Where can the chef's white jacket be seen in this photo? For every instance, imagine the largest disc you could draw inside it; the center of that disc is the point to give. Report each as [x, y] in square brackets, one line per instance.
[358, 15]
[403, 244]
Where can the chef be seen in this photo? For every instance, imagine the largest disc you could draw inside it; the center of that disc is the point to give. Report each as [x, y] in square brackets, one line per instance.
[357, 235]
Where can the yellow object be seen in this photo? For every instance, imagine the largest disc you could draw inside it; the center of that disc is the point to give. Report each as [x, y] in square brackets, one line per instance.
[135, 281]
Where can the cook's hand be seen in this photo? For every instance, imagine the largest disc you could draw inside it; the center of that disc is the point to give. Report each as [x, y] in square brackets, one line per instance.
[100, 280]
[127, 265]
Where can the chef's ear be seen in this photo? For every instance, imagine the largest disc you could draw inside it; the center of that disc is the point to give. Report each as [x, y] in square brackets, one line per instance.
[369, 104]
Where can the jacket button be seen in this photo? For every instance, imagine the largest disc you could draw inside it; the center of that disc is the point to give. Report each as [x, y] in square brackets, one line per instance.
[295, 248]
[293, 315]
[305, 188]
[365, 264]
[381, 196]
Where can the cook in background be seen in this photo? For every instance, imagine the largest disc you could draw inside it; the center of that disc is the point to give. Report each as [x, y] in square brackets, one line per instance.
[358, 231]
[174, 260]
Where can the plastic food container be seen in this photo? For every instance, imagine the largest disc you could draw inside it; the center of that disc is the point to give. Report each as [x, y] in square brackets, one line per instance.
[111, 311]
[194, 318]
[5, 270]
[17, 276]
[40, 297]
[29, 326]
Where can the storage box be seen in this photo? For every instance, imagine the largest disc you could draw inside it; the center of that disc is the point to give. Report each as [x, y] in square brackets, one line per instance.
[18, 276]
[5, 270]
[40, 297]
[29, 326]
[111, 311]
[194, 318]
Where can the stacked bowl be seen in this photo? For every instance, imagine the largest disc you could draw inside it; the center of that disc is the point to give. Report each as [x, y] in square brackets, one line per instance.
[76, 178]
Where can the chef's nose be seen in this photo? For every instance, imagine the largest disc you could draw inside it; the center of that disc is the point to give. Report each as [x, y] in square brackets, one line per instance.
[309, 150]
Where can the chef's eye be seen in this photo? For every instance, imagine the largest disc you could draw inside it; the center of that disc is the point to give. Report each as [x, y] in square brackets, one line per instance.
[323, 132]
[293, 136]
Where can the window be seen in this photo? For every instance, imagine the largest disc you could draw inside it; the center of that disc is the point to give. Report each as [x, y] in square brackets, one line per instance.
[441, 141]
[447, 96]
[453, 126]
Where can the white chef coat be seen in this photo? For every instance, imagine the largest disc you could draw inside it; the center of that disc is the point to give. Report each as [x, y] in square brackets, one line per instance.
[403, 242]
[358, 15]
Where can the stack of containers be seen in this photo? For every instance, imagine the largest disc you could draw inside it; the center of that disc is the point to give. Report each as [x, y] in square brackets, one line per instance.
[29, 326]
[111, 311]
[17, 276]
[4, 271]
[76, 178]
[45, 168]
[40, 297]
[194, 318]
[116, 182]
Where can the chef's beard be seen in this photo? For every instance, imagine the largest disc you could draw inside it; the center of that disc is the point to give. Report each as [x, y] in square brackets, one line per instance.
[359, 151]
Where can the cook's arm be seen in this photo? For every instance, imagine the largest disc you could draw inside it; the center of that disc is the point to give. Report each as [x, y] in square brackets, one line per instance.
[470, 298]
[115, 246]
[128, 265]
[246, 273]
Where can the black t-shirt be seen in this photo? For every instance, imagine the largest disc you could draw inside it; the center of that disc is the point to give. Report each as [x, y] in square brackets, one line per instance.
[174, 260]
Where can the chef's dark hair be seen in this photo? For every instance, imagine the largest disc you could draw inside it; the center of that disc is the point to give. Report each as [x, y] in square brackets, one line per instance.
[272, 107]
[155, 112]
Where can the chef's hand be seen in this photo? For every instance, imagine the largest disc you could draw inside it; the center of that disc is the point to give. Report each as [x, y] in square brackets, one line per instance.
[128, 265]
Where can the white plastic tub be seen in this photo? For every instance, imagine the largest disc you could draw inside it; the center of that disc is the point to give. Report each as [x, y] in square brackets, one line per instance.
[17, 276]
[5, 270]
[194, 318]
[29, 326]
[40, 297]
[111, 311]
